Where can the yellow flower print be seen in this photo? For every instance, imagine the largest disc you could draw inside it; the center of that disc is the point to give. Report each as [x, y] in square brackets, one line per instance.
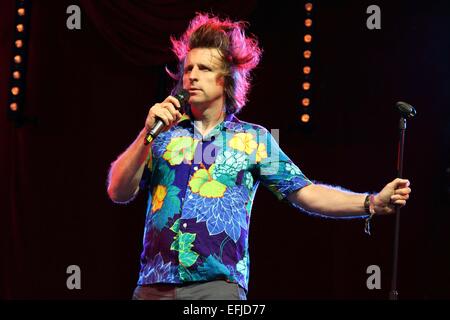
[159, 194]
[243, 141]
[179, 149]
[203, 183]
[261, 153]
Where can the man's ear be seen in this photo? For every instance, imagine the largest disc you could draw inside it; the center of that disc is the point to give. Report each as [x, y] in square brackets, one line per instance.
[220, 80]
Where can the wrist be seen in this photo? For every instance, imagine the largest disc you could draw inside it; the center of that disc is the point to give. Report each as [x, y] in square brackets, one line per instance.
[369, 204]
[143, 132]
[369, 208]
[144, 136]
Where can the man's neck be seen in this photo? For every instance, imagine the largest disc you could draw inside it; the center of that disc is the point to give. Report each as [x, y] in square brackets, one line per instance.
[206, 118]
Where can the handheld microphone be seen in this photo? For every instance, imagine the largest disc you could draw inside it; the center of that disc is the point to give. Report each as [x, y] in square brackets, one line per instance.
[182, 96]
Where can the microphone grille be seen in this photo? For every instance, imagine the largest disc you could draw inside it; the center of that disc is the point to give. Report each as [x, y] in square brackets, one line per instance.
[405, 109]
[182, 96]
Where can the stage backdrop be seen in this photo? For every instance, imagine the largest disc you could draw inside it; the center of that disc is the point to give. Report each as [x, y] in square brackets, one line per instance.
[90, 91]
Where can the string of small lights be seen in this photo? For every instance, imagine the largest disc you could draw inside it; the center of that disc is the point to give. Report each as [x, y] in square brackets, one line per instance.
[305, 100]
[16, 97]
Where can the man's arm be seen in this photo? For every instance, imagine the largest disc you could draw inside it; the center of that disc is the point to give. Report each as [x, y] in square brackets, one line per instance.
[339, 203]
[126, 172]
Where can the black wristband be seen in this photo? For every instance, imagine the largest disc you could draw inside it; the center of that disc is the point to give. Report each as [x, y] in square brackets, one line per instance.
[367, 204]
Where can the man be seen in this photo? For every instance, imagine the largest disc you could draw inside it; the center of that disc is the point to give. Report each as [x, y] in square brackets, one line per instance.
[202, 173]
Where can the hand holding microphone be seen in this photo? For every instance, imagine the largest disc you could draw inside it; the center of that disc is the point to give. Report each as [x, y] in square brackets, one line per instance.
[165, 114]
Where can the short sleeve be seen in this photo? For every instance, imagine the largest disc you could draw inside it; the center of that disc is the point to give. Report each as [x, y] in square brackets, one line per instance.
[275, 170]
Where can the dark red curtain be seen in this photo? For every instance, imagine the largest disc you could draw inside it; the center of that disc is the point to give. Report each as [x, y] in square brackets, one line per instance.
[83, 87]
[89, 91]
[140, 30]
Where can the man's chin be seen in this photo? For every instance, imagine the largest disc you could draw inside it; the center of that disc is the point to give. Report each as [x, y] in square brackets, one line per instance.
[198, 104]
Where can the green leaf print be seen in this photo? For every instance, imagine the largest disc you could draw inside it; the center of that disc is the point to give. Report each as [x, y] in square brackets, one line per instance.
[176, 226]
[212, 268]
[183, 244]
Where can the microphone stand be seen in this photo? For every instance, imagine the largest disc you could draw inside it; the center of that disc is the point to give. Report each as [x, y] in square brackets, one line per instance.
[393, 294]
[406, 111]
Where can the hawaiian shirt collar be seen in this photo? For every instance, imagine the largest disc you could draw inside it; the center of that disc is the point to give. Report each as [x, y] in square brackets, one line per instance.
[230, 122]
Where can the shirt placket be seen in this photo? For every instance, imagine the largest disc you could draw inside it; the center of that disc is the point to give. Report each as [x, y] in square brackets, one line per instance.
[197, 163]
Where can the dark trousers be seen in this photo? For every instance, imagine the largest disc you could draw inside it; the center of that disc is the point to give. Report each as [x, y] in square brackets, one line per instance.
[211, 290]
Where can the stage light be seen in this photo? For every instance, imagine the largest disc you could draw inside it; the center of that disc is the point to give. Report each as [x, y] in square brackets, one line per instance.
[306, 69]
[305, 117]
[307, 54]
[15, 91]
[305, 102]
[306, 83]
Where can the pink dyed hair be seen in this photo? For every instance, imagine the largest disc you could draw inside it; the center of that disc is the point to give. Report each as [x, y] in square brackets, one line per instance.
[240, 54]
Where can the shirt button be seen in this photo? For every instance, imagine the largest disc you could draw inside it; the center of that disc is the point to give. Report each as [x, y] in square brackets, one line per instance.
[185, 225]
[195, 168]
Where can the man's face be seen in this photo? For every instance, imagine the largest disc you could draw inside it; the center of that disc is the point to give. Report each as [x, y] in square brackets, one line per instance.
[203, 77]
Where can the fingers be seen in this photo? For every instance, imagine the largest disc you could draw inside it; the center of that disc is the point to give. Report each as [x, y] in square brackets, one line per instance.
[166, 111]
[397, 197]
[400, 183]
[403, 191]
[173, 106]
[175, 113]
[174, 101]
[399, 191]
[165, 116]
[400, 202]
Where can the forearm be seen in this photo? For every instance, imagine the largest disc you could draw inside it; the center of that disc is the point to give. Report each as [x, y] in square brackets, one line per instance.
[329, 201]
[126, 171]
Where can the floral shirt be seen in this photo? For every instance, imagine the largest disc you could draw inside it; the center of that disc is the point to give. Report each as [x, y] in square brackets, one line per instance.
[201, 191]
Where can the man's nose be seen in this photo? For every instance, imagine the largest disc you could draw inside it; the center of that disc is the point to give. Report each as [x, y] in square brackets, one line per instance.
[193, 75]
